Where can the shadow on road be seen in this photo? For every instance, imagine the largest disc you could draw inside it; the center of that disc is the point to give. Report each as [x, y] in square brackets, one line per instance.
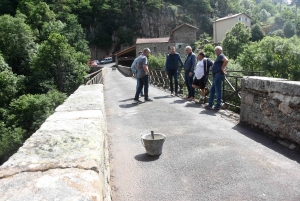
[179, 101]
[129, 99]
[145, 158]
[130, 105]
[162, 97]
[192, 105]
[208, 112]
[268, 141]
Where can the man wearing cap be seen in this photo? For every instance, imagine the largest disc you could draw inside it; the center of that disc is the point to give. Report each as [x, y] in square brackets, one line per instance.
[133, 69]
[218, 71]
[143, 75]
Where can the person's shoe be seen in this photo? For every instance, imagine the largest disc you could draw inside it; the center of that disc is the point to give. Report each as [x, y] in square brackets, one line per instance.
[148, 100]
[191, 99]
[176, 94]
[208, 107]
[172, 94]
[202, 97]
[217, 108]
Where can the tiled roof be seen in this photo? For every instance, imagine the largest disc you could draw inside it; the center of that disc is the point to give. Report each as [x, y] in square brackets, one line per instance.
[152, 40]
[231, 16]
[185, 24]
[125, 51]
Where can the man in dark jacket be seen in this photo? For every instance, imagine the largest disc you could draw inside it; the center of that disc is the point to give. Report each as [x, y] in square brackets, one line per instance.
[202, 73]
[189, 67]
[171, 69]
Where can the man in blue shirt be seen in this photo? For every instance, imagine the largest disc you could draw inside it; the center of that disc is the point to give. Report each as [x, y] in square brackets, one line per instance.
[189, 67]
[171, 69]
[134, 70]
[218, 71]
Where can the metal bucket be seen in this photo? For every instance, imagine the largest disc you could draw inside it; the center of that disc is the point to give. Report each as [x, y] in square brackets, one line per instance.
[153, 146]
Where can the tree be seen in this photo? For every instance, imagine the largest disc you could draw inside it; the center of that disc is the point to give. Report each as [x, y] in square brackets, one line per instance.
[264, 15]
[57, 65]
[16, 43]
[236, 40]
[257, 32]
[40, 14]
[288, 29]
[276, 56]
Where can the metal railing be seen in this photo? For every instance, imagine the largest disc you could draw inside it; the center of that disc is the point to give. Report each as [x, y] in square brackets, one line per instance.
[231, 85]
[94, 78]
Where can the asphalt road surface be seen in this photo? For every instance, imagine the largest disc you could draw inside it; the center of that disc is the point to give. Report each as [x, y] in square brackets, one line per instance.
[205, 157]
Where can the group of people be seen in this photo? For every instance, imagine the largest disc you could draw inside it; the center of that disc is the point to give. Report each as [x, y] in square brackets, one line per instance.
[196, 72]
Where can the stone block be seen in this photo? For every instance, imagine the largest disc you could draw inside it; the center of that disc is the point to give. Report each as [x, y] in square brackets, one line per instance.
[58, 184]
[284, 108]
[291, 88]
[60, 144]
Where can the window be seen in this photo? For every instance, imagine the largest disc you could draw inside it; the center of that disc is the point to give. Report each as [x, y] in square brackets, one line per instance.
[246, 19]
[179, 46]
[154, 49]
[240, 18]
[169, 47]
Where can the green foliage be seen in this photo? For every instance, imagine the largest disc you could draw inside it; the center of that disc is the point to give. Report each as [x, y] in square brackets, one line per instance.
[16, 43]
[278, 57]
[257, 32]
[39, 15]
[236, 40]
[30, 111]
[11, 138]
[209, 51]
[10, 85]
[58, 66]
[288, 29]
[157, 62]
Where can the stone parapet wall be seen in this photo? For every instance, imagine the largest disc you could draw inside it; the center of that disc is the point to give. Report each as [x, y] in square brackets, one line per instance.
[272, 105]
[126, 71]
[67, 158]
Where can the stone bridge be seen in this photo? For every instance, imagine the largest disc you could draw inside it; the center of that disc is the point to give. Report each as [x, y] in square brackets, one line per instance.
[90, 148]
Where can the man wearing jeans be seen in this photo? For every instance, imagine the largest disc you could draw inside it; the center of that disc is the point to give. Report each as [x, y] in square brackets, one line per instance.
[133, 69]
[172, 69]
[143, 75]
[189, 67]
[218, 71]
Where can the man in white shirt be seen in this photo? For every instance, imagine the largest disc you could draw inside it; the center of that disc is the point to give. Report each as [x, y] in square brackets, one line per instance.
[202, 73]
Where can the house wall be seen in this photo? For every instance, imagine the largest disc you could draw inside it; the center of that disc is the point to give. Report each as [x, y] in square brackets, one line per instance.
[185, 35]
[156, 48]
[223, 26]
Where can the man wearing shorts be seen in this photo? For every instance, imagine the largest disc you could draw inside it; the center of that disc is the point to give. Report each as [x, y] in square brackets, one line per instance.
[202, 73]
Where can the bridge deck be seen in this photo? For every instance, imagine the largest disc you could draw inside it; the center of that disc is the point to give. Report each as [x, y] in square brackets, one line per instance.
[205, 156]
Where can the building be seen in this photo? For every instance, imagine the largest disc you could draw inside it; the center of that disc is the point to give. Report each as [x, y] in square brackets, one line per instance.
[180, 37]
[223, 25]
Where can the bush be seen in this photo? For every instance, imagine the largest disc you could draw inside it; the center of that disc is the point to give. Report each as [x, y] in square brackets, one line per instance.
[157, 62]
[209, 51]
